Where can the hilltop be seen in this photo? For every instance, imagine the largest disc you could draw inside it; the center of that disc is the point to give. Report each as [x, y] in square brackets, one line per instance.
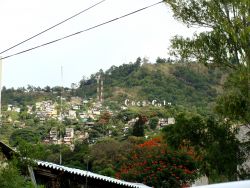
[182, 84]
[186, 85]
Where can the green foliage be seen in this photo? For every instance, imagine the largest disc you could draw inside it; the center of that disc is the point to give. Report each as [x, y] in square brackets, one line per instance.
[234, 104]
[226, 42]
[192, 85]
[212, 141]
[10, 177]
[24, 134]
[163, 60]
[77, 158]
[108, 172]
[153, 122]
[21, 97]
[107, 154]
[138, 128]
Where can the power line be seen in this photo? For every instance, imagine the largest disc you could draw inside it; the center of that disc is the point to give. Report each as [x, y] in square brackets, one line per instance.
[53, 26]
[79, 32]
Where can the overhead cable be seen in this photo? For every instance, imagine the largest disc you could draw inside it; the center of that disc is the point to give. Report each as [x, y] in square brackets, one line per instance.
[92, 6]
[79, 32]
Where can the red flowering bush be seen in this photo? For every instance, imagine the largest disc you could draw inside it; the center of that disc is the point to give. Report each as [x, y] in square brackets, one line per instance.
[154, 164]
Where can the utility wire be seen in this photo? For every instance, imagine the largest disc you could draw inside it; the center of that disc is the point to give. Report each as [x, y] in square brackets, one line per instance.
[53, 26]
[79, 32]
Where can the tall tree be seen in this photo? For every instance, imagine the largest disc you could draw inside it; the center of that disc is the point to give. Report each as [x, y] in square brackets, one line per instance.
[157, 165]
[138, 128]
[225, 42]
[212, 141]
[227, 39]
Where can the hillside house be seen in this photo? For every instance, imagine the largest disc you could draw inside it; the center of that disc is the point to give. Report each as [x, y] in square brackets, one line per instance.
[69, 136]
[13, 108]
[166, 121]
[53, 135]
[72, 114]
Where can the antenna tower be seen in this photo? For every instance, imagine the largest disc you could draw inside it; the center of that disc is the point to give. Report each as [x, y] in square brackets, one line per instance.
[101, 94]
[60, 160]
[0, 91]
[99, 88]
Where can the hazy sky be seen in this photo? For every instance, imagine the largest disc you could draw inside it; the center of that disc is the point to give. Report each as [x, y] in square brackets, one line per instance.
[145, 34]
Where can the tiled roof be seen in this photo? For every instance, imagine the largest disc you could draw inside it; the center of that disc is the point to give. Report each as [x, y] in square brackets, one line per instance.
[90, 174]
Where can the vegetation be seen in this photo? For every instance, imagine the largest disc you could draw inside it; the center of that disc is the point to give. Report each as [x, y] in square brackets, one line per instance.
[225, 44]
[155, 164]
[10, 177]
[212, 141]
[207, 85]
[184, 84]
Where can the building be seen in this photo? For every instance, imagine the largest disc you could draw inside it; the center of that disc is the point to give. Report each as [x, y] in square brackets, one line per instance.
[53, 135]
[72, 114]
[69, 136]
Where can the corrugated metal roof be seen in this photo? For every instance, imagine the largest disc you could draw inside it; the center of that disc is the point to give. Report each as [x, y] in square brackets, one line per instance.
[90, 174]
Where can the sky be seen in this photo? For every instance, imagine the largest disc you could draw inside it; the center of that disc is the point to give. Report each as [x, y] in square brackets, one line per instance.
[144, 34]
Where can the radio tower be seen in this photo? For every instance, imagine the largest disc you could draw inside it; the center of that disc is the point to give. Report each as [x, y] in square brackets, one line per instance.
[0, 91]
[99, 89]
[101, 94]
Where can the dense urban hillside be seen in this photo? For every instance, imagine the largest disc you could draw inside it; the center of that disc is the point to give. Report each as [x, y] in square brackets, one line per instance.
[188, 85]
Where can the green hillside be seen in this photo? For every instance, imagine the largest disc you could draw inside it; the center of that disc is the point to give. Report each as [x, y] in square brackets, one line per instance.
[182, 84]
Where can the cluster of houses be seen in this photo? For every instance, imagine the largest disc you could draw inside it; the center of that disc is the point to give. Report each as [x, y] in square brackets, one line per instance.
[46, 109]
[162, 122]
[71, 109]
[69, 137]
[86, 112]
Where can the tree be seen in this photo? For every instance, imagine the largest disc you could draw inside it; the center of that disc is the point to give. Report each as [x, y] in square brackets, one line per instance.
[10, 177]
[47, 89]
[155, 164]
[106, 155]
[163, 60]
[226, 42]
[235, 103]
[153, 122]
[138, 128]
[213, 141]
[24, 134]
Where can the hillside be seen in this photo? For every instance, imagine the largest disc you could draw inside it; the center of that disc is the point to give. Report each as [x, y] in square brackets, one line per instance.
[182, 84]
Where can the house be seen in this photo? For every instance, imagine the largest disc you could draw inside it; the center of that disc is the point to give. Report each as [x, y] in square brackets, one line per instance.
[76, 107]
[171, 121]
[9, 108]
[163, 122]
[132, 121]
[83, 115]
[96, 112]
[53, 135]
[85, 102]
[13, 108]
[166, 121]
[30, 107]
[69, 136]
[89, 124]
[72, 114]
[77, 101]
